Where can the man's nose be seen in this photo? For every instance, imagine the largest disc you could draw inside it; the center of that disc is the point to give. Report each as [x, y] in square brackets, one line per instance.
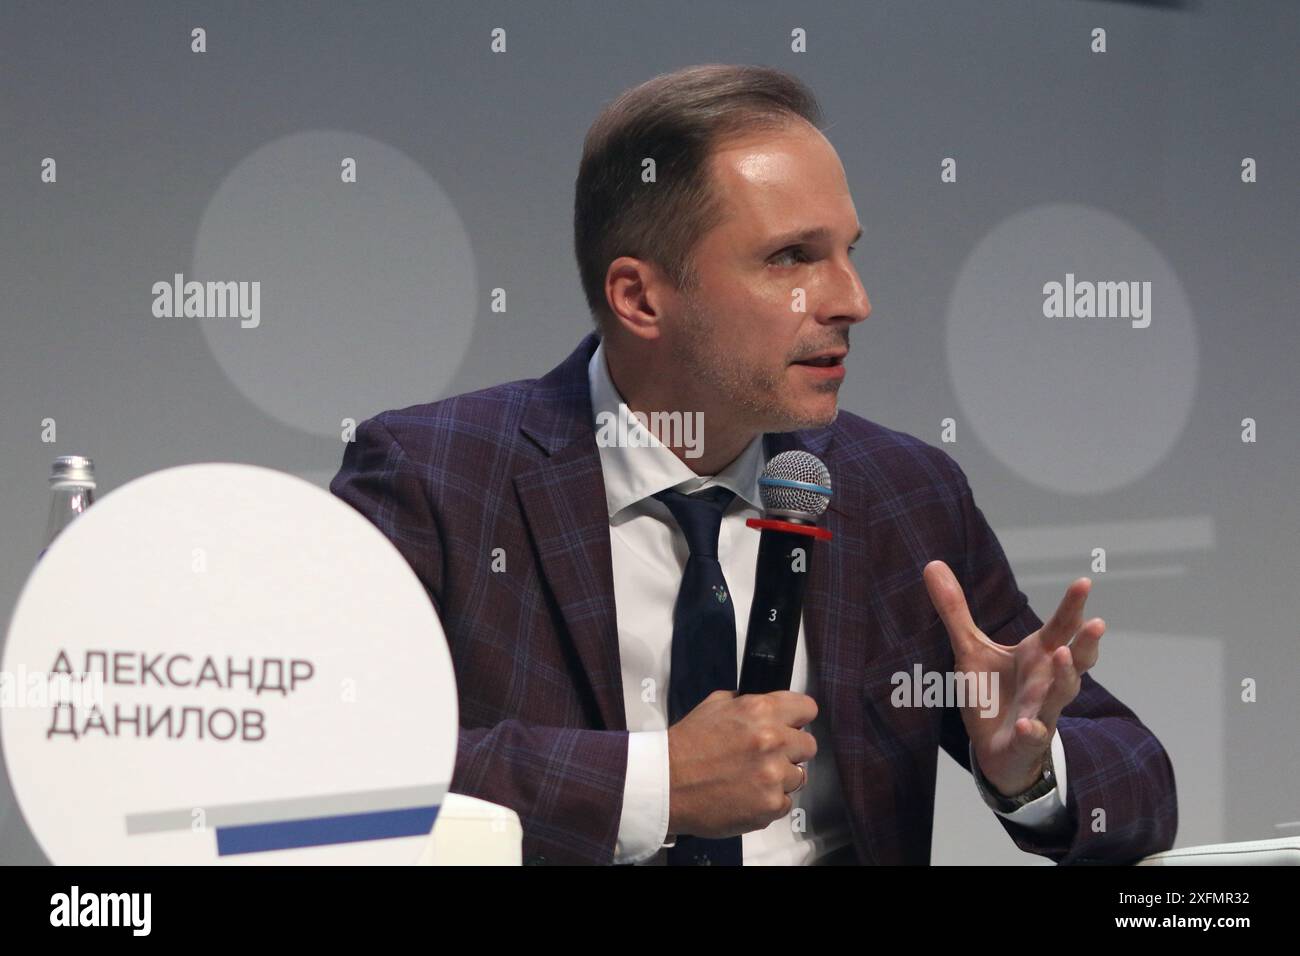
[849, 303]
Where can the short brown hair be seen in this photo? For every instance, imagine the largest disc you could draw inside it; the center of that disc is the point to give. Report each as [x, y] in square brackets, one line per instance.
[677, 119]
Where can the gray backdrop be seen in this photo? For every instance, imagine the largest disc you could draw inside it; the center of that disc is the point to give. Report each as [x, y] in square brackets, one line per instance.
[1076, 433]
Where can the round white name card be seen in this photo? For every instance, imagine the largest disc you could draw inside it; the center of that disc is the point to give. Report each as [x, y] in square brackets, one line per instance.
[221, 663]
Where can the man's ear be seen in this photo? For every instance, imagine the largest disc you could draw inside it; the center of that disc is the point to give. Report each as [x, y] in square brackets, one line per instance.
[633, 288]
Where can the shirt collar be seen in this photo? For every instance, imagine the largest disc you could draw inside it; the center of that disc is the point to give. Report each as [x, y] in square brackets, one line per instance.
[637, 472]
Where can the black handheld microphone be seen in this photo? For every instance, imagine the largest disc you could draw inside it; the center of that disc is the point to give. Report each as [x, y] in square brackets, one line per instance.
[796, 488]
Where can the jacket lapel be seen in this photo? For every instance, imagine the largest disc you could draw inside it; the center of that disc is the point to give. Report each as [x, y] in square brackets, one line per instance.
[563, 500]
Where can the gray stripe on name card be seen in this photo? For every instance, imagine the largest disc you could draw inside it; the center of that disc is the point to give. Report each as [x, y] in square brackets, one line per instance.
[294, 808]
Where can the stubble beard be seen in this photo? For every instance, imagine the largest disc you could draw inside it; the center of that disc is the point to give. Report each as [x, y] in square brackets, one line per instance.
[753, 391]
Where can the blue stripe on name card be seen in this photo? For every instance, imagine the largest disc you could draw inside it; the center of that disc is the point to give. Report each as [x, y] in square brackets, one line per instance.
[324, 831]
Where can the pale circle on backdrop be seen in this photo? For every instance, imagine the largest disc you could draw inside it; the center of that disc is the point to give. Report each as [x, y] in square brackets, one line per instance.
[368, 290]
[1074, 405]
[346, 762]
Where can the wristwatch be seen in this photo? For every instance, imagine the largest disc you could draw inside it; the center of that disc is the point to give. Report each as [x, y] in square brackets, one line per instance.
[1044, 785]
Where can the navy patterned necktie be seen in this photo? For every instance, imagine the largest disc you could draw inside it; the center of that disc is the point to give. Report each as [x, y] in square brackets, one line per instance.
[704, 642]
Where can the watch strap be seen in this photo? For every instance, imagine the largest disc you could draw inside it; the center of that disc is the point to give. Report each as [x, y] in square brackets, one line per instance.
[1041, 787]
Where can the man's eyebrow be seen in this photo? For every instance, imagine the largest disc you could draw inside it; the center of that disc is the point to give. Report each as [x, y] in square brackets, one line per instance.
[819, 234]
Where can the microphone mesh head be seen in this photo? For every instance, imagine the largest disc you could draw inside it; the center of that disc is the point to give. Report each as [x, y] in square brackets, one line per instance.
[796, 502]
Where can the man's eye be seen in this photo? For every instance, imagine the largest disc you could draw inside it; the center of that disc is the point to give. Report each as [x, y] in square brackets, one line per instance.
[777, 259]
[787, 253]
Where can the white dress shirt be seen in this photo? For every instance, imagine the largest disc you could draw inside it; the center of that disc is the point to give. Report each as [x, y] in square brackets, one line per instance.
[649, 555]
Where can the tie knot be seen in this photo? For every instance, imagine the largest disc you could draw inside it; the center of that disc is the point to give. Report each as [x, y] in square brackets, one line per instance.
[699, 516]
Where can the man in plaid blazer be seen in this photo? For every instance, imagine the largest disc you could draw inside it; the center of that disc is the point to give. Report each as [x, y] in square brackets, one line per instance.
[723, 284]
[536, 654]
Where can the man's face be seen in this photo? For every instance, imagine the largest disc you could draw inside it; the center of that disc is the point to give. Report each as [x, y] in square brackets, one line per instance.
[768, 298]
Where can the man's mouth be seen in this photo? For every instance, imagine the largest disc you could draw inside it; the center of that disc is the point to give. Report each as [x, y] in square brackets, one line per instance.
[825, 360]
[826, 367]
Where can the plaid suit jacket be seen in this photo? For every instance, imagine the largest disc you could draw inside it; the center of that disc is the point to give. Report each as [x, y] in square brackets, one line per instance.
[535, 647]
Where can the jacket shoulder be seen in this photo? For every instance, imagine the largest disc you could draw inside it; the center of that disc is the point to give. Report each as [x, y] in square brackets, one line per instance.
[460, 425]
[890, 456]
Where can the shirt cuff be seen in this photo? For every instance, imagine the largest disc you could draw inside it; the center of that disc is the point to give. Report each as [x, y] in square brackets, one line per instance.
[643, 826]
[1048, 811]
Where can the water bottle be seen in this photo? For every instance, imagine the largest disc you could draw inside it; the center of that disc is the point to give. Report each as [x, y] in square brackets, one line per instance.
[72, 488]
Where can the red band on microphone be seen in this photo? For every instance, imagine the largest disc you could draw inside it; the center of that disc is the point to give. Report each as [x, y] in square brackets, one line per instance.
[807, 530]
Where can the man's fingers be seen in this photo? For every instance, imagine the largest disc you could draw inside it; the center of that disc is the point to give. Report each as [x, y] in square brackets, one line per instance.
[947, 597]
[793, 708]
[1086, 644]
[794, 779]
[1069, 615]
[1065, 687]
